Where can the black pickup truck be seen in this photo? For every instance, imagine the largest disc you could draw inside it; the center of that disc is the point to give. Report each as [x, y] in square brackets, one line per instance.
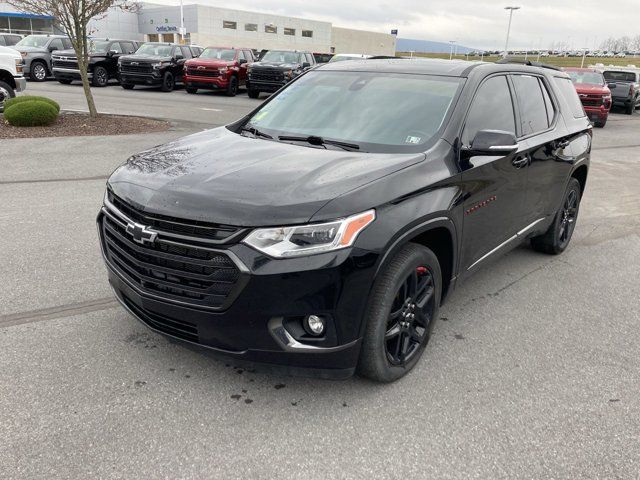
[275, 69]
[103, 61]
[155, 64]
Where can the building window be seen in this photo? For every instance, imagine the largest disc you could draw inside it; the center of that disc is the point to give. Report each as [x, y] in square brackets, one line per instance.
[270, 29]
[250, 27]
[289, 31]
[228, 24]
[307, 33]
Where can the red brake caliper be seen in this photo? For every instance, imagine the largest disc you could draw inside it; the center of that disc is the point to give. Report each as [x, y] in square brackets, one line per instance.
[421, 270]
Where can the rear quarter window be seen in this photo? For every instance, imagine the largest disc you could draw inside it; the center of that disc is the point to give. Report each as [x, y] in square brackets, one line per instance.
[568, 92]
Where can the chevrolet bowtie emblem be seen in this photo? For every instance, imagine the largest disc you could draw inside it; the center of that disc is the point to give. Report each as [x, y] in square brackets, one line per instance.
[141, 234]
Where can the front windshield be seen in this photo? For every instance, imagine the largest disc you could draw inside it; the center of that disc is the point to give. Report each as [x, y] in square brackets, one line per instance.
[620, 76]
[280, 57]
[219, 54]
[98, 46]
[33, 41]
[154, 50]
[382, 112]
[588, 78]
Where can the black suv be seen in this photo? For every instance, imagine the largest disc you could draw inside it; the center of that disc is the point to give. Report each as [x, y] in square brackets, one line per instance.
[155, 64]
[103, 61]
[324, 229]
[275, 69]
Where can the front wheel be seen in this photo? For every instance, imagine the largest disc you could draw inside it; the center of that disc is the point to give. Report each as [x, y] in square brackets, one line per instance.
[191, 89]
[6, 92]
[127, 86]
[556, 239]
[253, 93]
[400, 315]
[65, 81]
[630, 108]
[168, 82]
[38, 71]
[100, 77]
[600, 123]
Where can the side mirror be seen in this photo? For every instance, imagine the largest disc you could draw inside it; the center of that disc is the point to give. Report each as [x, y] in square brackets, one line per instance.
[113, 52]
[52, 48]
[242, 61]
[306, 65]
[493, 142]
[179, 57]
[612, 86]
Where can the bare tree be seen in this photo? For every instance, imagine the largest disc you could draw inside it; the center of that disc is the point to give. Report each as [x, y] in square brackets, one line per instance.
[74, 16]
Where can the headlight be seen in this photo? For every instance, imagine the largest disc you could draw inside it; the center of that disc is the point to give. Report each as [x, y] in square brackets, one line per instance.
[223, 69]
[19, 65]
[288, 73]
[300, 240]
[24, 54]
[159, 65]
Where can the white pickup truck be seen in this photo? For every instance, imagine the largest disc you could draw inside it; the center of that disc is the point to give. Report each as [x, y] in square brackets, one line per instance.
[11, 77]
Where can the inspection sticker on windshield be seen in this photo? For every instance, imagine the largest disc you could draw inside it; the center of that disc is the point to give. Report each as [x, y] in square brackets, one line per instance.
[412, 139]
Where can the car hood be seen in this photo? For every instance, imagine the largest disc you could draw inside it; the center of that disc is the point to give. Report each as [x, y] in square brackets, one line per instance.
[592, 89]
[222, 177]
[284, 66]
[29, 49]
[10, 52]
[144, 58]
[213, 63]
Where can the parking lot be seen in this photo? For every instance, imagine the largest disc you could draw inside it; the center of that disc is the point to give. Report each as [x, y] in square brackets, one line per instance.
[532, 372]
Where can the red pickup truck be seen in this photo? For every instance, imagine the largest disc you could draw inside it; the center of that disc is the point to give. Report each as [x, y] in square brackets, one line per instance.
[218, 68]
[593, 92]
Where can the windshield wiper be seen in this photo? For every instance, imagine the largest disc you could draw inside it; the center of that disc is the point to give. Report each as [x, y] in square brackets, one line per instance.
[315, 140]
[255, 132]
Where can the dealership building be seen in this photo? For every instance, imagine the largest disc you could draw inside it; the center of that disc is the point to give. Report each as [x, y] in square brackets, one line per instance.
[206, 25]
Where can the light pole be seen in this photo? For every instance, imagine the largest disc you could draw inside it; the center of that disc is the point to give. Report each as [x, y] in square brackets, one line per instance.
[506, 43]
[182, 32]
[452, 42]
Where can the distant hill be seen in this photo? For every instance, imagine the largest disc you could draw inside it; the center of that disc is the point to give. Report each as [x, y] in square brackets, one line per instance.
[426, 46]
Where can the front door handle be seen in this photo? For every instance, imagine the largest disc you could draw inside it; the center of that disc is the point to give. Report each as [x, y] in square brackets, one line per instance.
[521, 161]
[563, 144]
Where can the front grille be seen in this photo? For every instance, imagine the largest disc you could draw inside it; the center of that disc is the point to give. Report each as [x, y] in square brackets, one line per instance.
[592, 100]
[72, 64]
[177, 328]
[184, 271]
[203, 73]
[195, 228]
[127, 67]
[267, 75]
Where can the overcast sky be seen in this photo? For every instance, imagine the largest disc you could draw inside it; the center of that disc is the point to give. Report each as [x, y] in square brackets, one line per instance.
[473, 23]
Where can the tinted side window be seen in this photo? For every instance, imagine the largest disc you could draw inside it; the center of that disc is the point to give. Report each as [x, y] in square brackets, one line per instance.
[115, 46]
[186, 53]
[127, 47]
[568, 91]
[310, 59]
[533, 113]
[56, 44]
[66, 43]
[492, 109]
[551, 111]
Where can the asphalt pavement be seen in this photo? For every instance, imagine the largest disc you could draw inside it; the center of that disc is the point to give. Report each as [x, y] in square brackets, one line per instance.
[533, 370]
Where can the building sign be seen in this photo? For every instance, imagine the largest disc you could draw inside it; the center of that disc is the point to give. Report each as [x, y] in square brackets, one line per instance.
[394, 32]
[166, 28]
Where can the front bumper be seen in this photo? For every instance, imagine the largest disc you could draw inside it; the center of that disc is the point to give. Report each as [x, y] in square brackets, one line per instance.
[140, 79]
[211, 83]
[260, 324]
[263, 86]
[21, 84]
[69, 73]
[599, 114]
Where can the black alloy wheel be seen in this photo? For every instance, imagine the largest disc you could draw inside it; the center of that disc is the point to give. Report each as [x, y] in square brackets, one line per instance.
[569, 215]
[232, 88]
[100, 77]
[6, 92]
[168, 83]
[410, 317]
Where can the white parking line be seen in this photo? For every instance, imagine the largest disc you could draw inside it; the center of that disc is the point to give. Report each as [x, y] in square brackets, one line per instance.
[211, 109]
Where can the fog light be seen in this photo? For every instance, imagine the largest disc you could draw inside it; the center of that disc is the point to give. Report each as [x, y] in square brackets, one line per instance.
[314, 325]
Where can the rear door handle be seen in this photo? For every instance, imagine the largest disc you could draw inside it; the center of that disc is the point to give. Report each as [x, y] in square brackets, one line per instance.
[521, 161]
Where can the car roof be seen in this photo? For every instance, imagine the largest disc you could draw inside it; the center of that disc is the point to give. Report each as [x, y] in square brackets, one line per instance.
[578, 69]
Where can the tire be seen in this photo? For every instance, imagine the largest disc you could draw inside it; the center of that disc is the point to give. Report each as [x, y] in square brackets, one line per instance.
[253, 93]
[629, 109]
[390, 326]
[6, 92]
[168, 82]
[556, 239]
[39, 71]
[100, 76]
[232, 88]
[127, 86]
[191, 89]
[65, 81]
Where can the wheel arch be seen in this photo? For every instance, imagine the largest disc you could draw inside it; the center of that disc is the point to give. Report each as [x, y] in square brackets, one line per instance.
[580, 174]
[7, 78]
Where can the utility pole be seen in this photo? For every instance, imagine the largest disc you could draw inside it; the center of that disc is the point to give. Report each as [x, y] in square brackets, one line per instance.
[506, 43]
[181, 23]
[452, 42]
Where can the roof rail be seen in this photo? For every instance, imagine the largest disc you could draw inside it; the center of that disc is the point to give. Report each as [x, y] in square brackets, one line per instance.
[528, 63]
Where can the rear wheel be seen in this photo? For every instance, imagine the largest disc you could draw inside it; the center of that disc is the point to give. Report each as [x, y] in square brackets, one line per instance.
[232, 88]
[253, 93]
[556, 239]
[168, 82]
[6, 92]
[400, 315]
[100, 77]
[38, 71]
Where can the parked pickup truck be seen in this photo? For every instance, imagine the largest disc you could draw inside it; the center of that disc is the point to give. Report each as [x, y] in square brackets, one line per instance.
[218, 68]
[275, 69]
[103, 61]
[625, 88]
[11, 77]
[593, 92]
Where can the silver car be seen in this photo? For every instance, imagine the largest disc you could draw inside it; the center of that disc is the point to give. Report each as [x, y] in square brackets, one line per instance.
[36, 51]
